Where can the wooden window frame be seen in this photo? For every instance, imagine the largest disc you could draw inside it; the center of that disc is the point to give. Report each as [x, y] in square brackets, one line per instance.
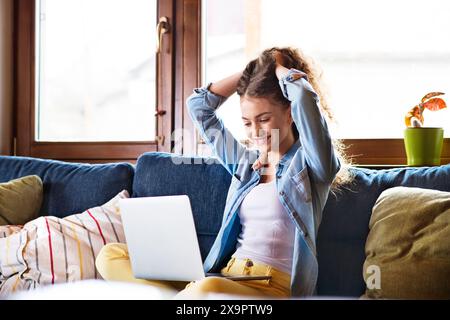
[188, 69]
[25, 143]
[384, 152]
[185, 56]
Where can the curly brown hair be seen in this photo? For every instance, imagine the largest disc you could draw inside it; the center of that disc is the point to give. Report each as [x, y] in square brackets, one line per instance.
[259, 80]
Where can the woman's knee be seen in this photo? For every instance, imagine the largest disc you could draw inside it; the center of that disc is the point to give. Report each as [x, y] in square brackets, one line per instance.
[113, 251]
[109, 253]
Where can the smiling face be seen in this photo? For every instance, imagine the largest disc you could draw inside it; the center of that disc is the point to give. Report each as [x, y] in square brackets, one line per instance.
[263, 118]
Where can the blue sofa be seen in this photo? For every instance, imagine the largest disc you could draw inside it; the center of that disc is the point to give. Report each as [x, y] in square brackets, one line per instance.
[70, 188]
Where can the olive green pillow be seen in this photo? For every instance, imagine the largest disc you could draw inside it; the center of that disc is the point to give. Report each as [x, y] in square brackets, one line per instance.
[408, 247]
[20, 200]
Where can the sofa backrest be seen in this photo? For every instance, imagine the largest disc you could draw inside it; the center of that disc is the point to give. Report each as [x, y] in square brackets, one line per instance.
[344, 227]
[202, 179]
[70, 187]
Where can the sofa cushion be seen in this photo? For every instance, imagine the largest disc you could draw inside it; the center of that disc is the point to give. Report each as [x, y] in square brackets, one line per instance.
[202, 179]
[70, 187]
[409, 245]
[50, 250]
[20, 200]
[345, 225]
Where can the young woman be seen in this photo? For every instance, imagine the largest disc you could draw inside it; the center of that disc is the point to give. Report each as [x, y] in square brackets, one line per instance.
[279, 188]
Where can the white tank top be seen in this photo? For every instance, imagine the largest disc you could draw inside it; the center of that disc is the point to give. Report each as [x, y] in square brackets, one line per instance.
[267, 234]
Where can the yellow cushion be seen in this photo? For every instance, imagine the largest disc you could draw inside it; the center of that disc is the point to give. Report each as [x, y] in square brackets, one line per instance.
[409, 245]
[20, 200]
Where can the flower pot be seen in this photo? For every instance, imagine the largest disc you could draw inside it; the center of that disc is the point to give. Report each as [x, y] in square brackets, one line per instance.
[423, 146]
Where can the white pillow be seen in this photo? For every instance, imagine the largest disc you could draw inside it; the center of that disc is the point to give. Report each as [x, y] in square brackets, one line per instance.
[51, 250]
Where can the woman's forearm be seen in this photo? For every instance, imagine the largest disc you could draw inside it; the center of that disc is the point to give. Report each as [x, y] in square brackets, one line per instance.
[281, 71]
[226, 87]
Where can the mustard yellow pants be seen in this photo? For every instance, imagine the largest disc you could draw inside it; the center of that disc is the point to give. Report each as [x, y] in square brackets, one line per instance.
[113, 263]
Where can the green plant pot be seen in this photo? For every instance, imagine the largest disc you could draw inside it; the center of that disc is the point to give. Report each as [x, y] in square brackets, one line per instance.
[423, 146]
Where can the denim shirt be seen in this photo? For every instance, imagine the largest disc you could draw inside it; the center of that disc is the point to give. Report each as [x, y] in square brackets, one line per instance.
[303, 175]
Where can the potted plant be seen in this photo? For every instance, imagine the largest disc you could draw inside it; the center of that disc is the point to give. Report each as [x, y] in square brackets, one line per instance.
[424, 144]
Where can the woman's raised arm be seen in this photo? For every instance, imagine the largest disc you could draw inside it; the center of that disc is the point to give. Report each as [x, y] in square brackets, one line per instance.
[202, 106]
[311, 125]
[227, 86]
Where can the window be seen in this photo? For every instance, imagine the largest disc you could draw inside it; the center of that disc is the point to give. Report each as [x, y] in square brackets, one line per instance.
[88, 78]
[378, 59]
[377, 62]
[95, 70]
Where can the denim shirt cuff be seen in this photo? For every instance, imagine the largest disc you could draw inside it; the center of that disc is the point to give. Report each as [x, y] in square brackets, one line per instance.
[213, 100]
[292, 76]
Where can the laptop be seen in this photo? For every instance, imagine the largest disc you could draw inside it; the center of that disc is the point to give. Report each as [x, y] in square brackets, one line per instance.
[162, 240]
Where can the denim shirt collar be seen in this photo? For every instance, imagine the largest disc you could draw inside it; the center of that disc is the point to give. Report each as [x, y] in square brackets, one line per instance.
[287, 157]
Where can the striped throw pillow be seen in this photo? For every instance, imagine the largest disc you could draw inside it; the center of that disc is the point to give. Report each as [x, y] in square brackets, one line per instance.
[51, 250]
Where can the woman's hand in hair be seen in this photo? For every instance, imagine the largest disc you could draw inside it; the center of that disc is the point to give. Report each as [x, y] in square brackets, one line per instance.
[278, 56]
[281, 71]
